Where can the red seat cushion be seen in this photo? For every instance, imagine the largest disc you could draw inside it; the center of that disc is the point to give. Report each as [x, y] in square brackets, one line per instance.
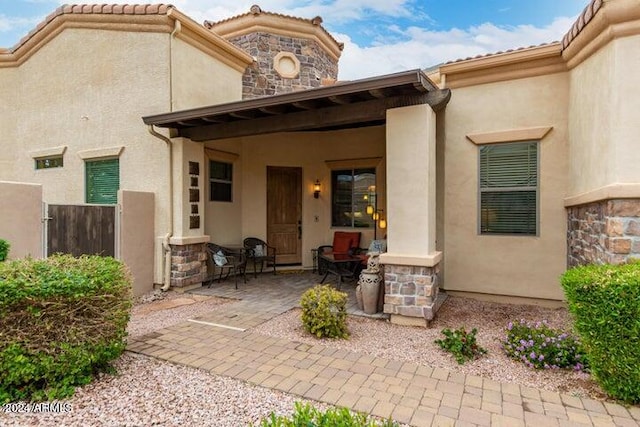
[343, 241]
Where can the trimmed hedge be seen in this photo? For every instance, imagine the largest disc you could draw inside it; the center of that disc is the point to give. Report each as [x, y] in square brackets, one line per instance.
[605, 303]
[62, 320]
[4, 249]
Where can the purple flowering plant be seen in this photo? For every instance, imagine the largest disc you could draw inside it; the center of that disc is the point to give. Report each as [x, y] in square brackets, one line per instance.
[539, 346]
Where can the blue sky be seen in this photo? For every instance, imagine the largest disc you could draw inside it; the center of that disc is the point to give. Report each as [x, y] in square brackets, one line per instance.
[380, 36]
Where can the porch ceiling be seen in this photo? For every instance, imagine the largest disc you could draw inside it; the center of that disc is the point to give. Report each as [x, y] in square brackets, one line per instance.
[351, 104]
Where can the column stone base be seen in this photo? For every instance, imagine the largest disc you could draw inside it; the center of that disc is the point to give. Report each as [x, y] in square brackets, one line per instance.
[188, 266]
[411, 294]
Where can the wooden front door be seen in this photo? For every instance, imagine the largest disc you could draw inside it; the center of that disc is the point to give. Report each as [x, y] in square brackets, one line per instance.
[284, 213]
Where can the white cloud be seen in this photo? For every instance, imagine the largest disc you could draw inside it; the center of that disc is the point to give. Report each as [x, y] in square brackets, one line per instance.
[334, 11]
[423, 48]
[9, 23]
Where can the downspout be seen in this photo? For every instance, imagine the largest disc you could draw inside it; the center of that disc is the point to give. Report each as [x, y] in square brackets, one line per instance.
[166, 247]
[165, 241]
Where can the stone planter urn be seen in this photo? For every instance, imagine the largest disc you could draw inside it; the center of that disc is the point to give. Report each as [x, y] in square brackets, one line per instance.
[369, 285]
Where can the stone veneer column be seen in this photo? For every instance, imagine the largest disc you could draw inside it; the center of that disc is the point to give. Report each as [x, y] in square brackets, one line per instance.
[606, 231]
[411, 291]
[411, 263]
[188, 265]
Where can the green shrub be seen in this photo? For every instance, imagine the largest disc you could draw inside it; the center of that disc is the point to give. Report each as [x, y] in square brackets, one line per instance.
[324, 312]
[308, 416]
[4, 249]
[461, 344]
[605, 303]
[541, 347]
[61, 320]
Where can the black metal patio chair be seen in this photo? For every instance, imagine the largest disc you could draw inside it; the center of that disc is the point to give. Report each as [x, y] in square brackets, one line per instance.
[227, 261]
[261, 253]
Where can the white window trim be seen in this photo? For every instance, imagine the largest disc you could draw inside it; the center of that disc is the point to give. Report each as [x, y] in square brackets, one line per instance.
[511, 135]
[48, 152]
[101, 153]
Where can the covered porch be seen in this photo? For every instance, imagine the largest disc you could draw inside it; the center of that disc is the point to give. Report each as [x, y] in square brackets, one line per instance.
[252, 169]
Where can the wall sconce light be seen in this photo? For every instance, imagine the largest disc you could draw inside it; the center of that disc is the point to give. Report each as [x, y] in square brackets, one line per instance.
[316, 189]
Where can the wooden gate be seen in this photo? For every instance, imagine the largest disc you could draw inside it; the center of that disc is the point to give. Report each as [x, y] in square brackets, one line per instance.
[81, 229]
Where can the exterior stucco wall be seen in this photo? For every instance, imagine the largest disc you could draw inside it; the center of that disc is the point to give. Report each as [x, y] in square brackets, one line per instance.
[185, 153]
[199, 80]
[137, 237]
[411, 150]
[87, 89]
[223, 220]
[626, 118]
[21, 219]
[81, 92]
[228, 223]
[591, 105]
[505, 265]
[8, 92]
[603, 119]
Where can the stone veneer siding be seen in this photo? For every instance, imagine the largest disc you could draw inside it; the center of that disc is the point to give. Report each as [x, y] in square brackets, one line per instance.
[261, 79]
[188, 265]
[411, 291]
[604, 232]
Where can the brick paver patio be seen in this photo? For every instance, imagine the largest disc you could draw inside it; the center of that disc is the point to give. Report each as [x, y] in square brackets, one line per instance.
[223, 344]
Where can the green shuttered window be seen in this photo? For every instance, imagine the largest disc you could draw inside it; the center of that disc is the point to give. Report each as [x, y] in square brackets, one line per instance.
[509, 188]
[102, 181]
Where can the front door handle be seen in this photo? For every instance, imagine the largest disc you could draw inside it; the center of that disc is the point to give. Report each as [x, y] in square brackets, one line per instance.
[299, 229]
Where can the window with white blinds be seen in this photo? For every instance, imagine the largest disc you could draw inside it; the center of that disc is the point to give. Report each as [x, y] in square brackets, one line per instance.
[509, 188]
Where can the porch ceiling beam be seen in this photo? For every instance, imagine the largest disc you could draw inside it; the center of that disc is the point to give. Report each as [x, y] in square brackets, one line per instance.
[274, 109]
[377, 93]
[373, 111]
[217, 119]
[305, 105]
[243, 114]
[189, 123]
[397, 83]
[341, 99]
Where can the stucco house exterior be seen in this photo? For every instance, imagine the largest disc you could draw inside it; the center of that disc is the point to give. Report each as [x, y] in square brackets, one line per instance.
[493, 174]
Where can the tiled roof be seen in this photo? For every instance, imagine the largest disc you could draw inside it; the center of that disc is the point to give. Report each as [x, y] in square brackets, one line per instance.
[256, 10]
[486, 55]
[105, 9]
[585, 17]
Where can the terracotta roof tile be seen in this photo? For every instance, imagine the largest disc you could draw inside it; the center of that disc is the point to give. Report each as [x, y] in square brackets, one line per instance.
[111, 9]
[256, 10]
[486, 55]
[585, 17]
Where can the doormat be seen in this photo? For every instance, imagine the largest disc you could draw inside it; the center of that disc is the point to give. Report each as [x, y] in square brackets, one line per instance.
[290, 272]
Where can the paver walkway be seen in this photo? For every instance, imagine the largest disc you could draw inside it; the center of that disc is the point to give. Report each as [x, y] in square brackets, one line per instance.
[409, 393]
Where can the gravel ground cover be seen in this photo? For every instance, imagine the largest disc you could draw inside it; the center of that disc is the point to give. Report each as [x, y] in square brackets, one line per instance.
[147, 391]
[384, 339]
